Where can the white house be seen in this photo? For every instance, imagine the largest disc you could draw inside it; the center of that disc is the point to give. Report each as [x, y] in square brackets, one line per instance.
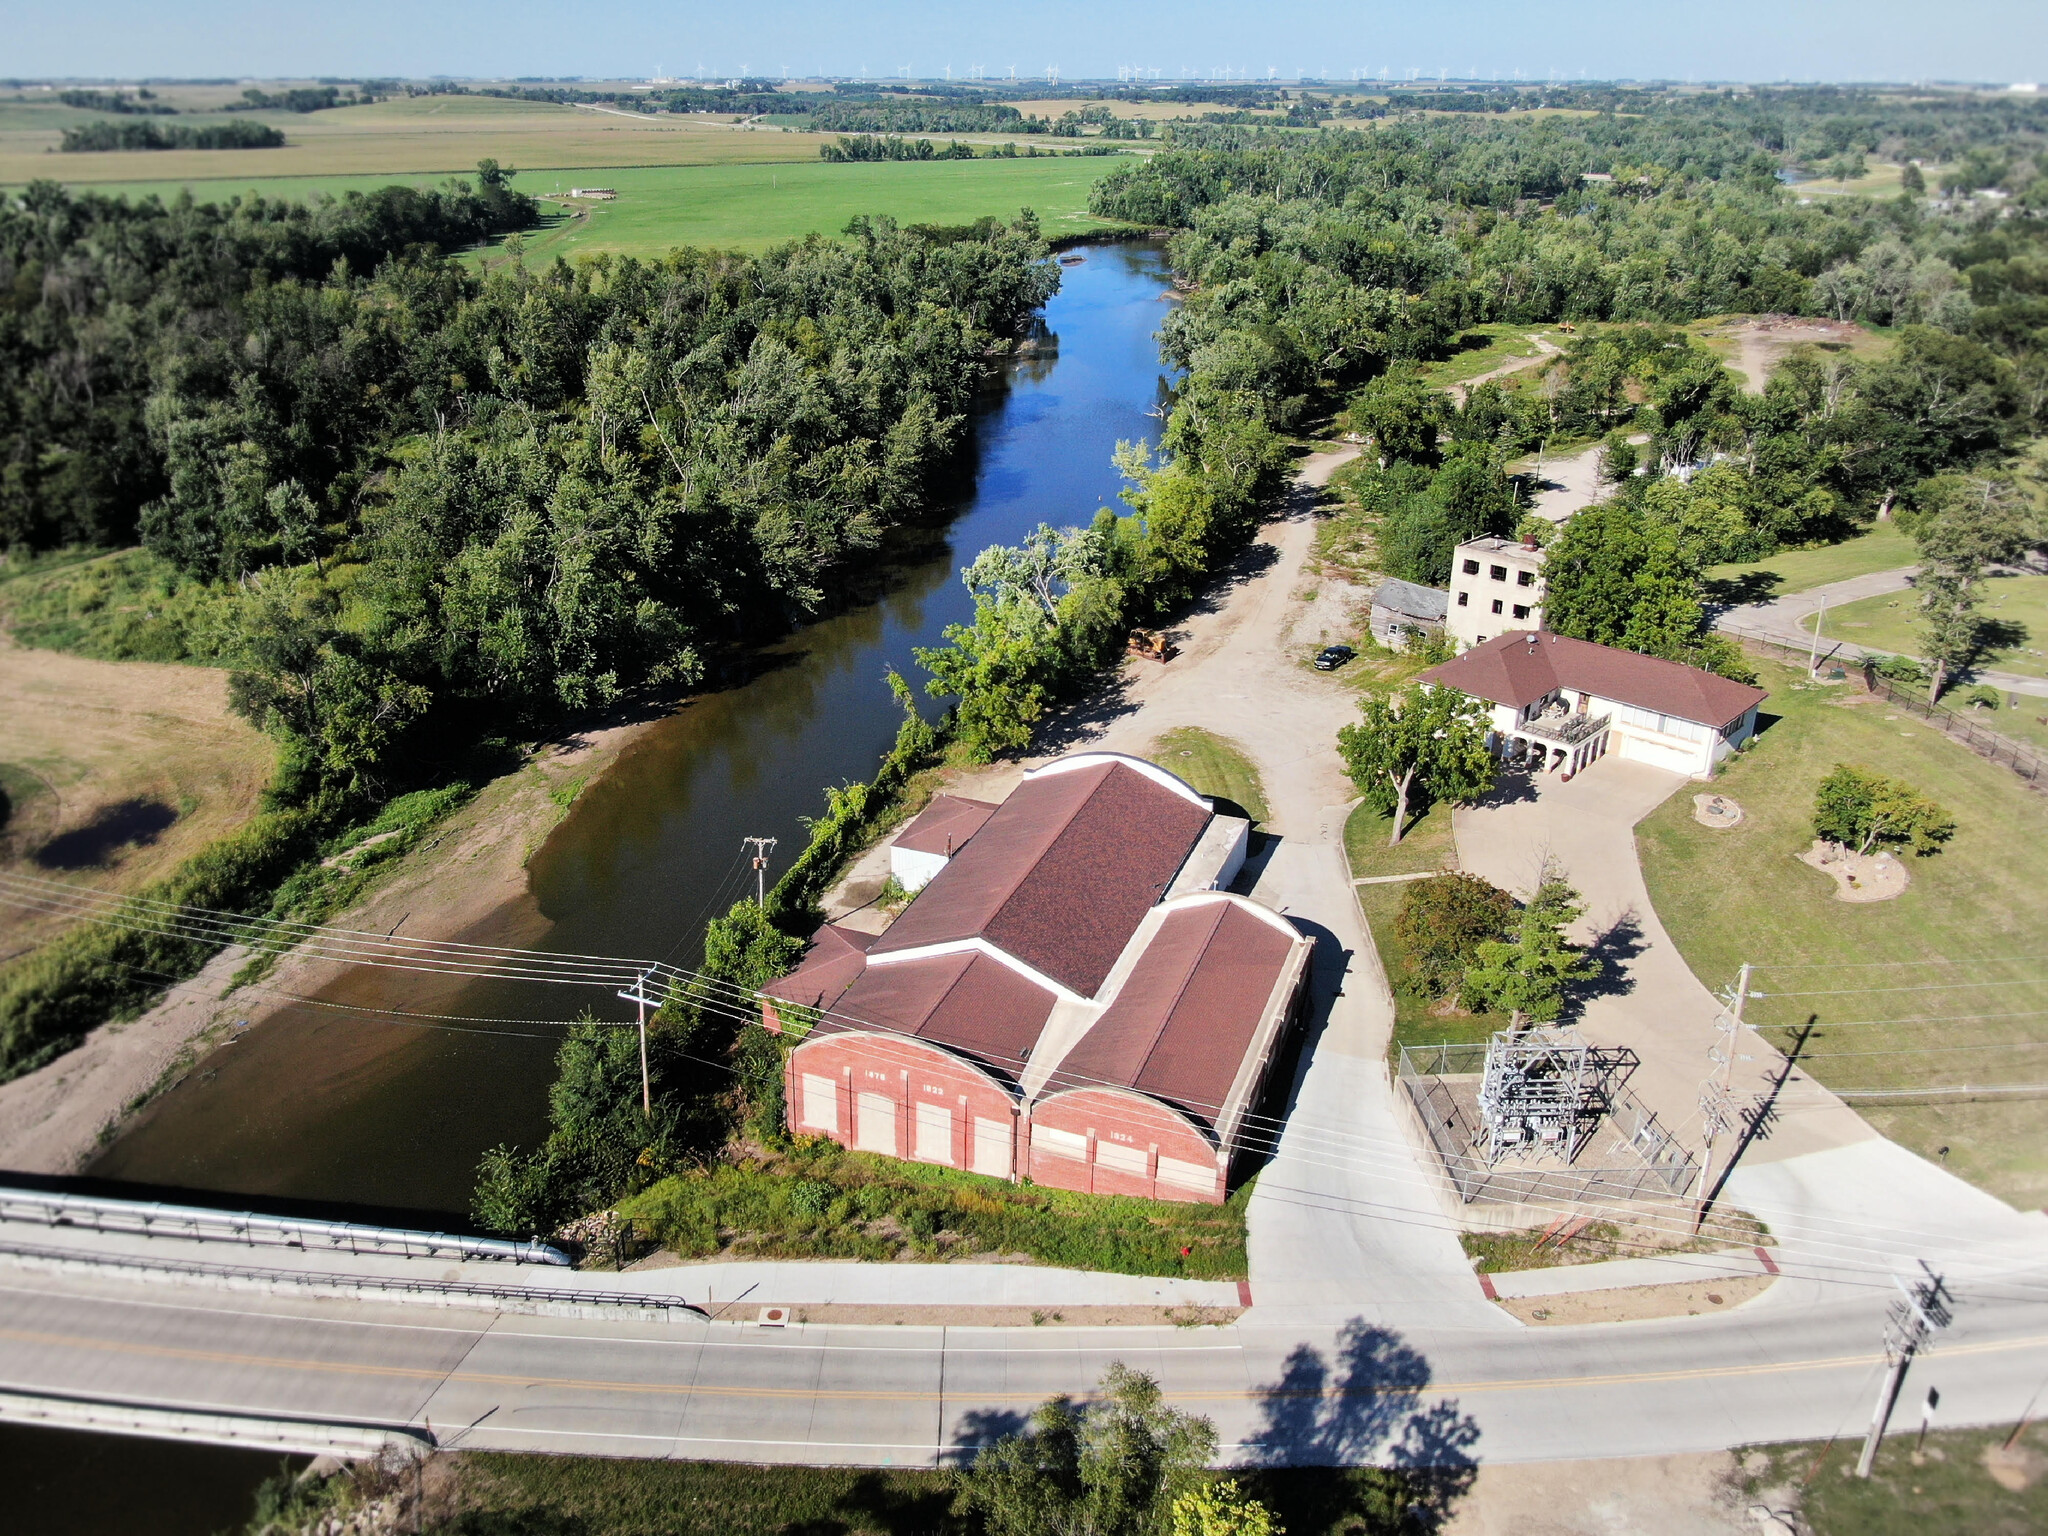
[1496, 588]
[1559, 704]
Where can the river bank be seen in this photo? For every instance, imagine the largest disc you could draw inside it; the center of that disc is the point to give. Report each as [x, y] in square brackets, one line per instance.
[459, 885]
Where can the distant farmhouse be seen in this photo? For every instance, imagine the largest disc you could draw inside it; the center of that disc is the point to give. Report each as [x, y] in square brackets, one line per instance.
[1559, 704]
[1073, 996]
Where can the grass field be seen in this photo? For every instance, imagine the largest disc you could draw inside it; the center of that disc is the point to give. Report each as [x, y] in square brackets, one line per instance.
[1884, 548]
[423, 135]
[1947, 1488]
[1213, 765]
[740, 207]
[2015, 613]
[1919, 992]
[1483, 348]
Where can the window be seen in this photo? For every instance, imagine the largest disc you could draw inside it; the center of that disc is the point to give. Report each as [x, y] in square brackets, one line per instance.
[1464, 599]
[1471, 567]
[1525, 578]
[1497, 572]
[1496, 605]
[1521, 611]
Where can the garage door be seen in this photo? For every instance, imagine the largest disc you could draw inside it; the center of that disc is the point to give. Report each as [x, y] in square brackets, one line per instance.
[934, 1143]
[1657, 755]
[875, 1123]
[821, 1102]
[992, 1147]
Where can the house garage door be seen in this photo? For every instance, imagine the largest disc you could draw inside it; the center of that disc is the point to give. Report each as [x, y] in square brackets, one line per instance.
[875, 1123]
[934, 1142]
[821, 1102]
[1657, 755]
[992, 1147]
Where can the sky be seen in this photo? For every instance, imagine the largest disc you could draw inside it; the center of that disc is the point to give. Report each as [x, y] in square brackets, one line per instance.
[1977, 40]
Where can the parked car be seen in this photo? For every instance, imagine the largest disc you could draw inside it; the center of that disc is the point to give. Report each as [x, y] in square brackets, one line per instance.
[1331, 657]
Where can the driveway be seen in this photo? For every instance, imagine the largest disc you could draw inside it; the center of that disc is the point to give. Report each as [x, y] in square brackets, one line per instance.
[1833, 1192]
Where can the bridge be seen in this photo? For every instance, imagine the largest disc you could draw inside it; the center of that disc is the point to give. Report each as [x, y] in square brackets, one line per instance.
[221, 1327]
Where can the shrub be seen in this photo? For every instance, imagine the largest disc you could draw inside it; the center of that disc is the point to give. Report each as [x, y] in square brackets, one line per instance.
[1442, 922]
[1860, 810]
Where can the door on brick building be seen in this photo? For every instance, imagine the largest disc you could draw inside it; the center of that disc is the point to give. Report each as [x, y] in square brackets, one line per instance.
[992, 1147]
[934, 1143]
[821, 1102]
[874, 1123]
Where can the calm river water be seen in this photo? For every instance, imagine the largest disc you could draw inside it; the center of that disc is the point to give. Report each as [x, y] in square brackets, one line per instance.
[326, 1104]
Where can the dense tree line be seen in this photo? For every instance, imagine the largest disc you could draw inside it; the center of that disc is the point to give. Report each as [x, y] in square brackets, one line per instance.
[98, 136]
[142, 104]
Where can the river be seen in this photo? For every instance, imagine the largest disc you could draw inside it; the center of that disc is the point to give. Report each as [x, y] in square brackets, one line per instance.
[347, 1104]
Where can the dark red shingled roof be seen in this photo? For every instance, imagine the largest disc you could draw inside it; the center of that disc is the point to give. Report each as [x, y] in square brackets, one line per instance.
[1186, 1014]
[1061, 874]
[835, 957]
[965, 1001]
[944, 825]
[1510, 670]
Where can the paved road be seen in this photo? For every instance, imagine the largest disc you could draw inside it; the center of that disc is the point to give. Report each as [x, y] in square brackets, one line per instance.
[1784, 619]
[1368, 1338]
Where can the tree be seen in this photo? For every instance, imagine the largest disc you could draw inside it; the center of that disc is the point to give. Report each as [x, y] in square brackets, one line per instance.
[1967, 523]
[1857, 809]
[1117, 1466]
[1910, 179]
[1417, 748]
[1222, 1509]
[1526, 975]
[1442, 922]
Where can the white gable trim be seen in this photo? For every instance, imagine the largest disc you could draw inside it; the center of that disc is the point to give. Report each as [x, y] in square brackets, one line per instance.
[978, 945]
[1152, 771]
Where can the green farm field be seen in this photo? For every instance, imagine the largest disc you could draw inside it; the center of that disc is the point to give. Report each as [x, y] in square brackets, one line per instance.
[2015, 612]
[1930, 989]
[751, 207]
[739, 207]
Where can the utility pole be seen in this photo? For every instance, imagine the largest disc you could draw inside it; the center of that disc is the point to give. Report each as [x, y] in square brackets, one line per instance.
[1813, 655]
[639, 995]
[1717, 1105]
[1916, 1317]
[761, 847]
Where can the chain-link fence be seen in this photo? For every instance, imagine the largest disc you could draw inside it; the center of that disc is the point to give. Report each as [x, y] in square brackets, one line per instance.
[1629, 1156]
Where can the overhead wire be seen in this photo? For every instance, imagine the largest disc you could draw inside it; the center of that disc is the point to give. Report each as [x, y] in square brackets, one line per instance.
[1261, 1134]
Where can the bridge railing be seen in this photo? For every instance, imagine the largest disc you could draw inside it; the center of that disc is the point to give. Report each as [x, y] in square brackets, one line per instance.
[194, 1223]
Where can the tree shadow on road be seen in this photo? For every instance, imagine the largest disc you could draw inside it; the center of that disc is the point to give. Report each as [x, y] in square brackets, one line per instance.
[1364, 1404]
[1614, 949]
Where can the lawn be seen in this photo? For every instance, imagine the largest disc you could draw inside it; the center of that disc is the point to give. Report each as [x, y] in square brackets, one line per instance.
[1884, 548]
[1929, 990]
[1947, 1487]
[1214, 765]
[1486, 347]
[2015, 615]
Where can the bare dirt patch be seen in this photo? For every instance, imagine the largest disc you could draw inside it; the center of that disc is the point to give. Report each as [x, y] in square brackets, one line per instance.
[1860, 877]
[1637, 1303]
[1688, 1495]
[2016, 1469]
[1762, 342]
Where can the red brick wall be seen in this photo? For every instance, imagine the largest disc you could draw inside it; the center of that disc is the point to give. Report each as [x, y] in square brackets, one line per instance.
[908, 1072]
[1146, 1128]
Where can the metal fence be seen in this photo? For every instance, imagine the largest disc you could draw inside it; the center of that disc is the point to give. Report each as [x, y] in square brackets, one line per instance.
[502, 1298]
[1656, 1167]
[2029, 764]
[195, 1223]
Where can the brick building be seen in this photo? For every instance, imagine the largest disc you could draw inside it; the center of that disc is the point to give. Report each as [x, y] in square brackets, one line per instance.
[1073, 996]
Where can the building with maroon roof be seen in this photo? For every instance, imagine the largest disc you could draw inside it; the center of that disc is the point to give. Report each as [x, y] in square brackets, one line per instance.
[1559, 704]
[1073, 995]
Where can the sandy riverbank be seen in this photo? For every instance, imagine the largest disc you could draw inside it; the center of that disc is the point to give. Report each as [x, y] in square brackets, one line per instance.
[457, 885]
